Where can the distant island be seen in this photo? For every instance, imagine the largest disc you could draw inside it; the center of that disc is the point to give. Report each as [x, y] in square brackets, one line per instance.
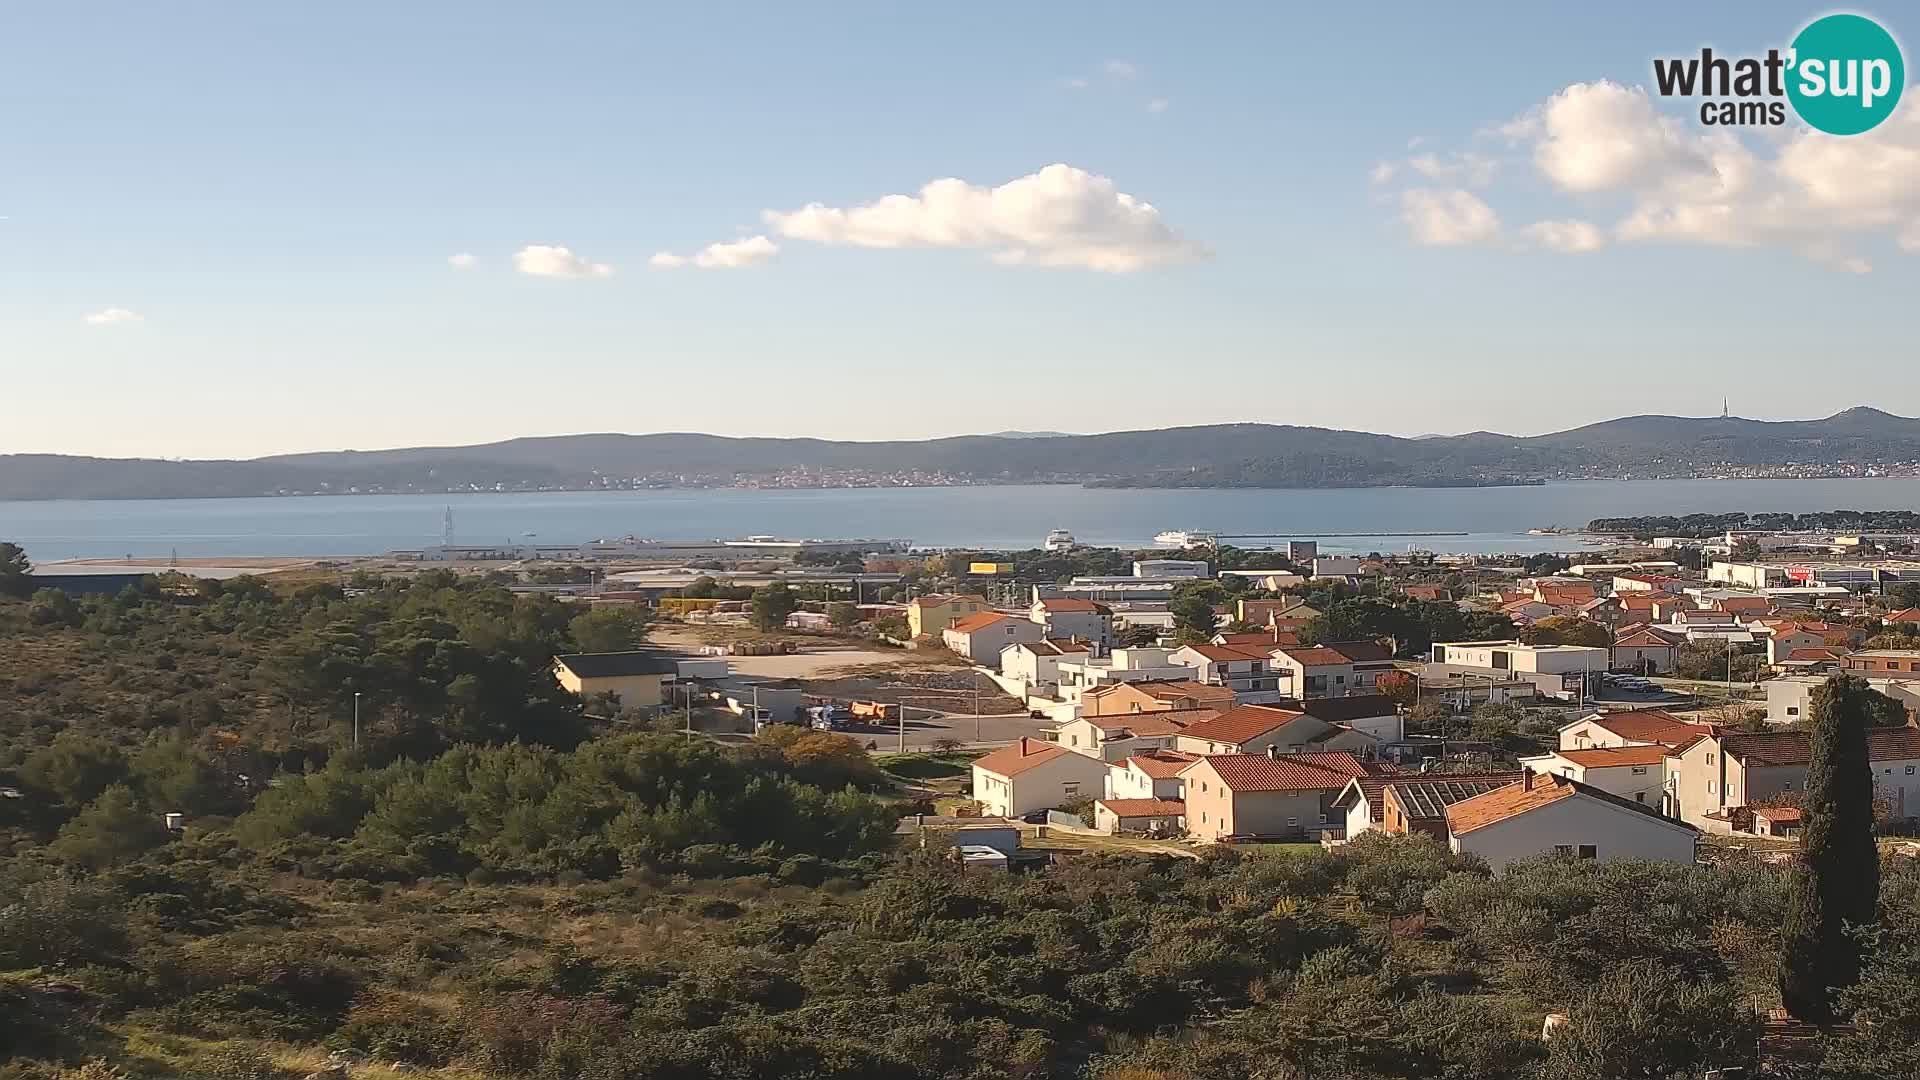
[1699, 526]
[1858, 442]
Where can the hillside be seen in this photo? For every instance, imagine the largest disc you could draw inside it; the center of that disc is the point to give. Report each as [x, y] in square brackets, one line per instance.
[1219, 455]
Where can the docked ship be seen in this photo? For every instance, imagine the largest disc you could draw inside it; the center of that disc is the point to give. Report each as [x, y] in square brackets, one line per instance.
[1059, 540]
[1184, 538]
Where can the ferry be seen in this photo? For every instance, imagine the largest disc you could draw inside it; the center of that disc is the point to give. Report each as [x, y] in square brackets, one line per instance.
[1059, 540]
[1184, 538]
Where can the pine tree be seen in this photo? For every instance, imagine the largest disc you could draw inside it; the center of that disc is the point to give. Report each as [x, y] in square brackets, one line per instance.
[1837, 880]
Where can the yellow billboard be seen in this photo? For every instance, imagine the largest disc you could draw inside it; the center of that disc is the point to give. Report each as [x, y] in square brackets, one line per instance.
[988, 569]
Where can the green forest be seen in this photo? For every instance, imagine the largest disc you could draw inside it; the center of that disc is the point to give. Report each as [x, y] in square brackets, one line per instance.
[495, 884]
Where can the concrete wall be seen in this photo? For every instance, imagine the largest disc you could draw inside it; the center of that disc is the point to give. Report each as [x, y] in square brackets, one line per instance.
[633, 691]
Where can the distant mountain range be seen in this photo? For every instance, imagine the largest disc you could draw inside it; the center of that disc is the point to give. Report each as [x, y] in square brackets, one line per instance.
[1220, 455]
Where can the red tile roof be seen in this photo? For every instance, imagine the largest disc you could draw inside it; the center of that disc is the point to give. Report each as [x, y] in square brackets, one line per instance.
[1127, 808]
[1161, 764]
[1650, 726]
[1536, 791]
[1055, 647]
[1904, 615]
[1316, 656]
[1290, 772]
[1607, 757]
[1239, 725]
[979, 622]
[1228, 653]
[1796, 747]
[1026, 754]
[1641, 638]
[1157, 722]
[1818, 655]
[1782, 814]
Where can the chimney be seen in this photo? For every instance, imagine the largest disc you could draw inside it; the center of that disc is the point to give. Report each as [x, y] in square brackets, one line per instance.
[1526, 778]
[1273, 751]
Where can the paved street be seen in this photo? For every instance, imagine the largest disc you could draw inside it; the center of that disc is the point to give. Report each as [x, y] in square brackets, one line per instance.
[924, 728]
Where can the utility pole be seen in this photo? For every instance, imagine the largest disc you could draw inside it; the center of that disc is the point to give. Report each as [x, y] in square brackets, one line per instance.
[903, 726]
[976, 706]
[356, 719]
[689, 689]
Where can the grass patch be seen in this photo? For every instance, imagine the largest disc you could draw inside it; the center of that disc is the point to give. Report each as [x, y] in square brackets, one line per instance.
[925, 766]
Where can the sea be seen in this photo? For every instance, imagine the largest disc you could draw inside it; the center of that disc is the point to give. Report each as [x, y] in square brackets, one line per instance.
[1444, 520]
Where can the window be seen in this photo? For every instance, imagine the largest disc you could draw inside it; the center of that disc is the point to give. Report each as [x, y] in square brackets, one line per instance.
[1793, 710]
[1709, 758]
[1563, 849]
[1203, 817]
[1589, 851]
[1639, 796]
[1639, 770]
[1709, 787]
[1293, 823]
[1909, 770]
[1071, 791]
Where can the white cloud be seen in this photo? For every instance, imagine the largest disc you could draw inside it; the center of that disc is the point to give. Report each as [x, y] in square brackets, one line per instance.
[1121, 69]
[1074, 83]
[544, 260]
[463, 261]
[1570, 236]
[1158, 105]
[1059, 216]
[751, 251]
[1448, 218]
[113, 316]
[1384, 172]
[1469, 169]
[1611, 148]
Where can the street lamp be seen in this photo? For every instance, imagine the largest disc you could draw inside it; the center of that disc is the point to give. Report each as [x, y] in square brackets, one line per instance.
[356, 719]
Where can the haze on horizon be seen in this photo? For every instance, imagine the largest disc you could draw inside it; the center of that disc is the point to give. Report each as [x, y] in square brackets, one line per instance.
[232, 231]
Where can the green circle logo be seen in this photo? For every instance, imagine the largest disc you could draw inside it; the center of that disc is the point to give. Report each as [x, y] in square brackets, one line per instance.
[1846, 75]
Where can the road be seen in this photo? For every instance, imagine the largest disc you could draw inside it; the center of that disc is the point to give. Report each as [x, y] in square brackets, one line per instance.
[925, 727]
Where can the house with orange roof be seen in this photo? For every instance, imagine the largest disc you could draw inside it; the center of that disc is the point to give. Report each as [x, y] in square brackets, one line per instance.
[928, 615]
[1439, 594]
[1631, 772]
[1154, 695]
[1907, 616]
[1150, 816]
[1630, 727]
[1260, 729]
[1645, 650]
[981, 637]
[1332, 668]
[1112, 738]
[1260, 795]
[1034, 775]
[1711, 778]
[1244, 669]
[1545, 814]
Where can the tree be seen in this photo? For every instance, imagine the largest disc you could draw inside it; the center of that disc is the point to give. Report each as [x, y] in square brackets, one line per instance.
[1906, 593]
[75, 767]
[609, 628]
[14, 571]
[1745, 549]
[843, 616]
[1836, 883]
[1429, 717]
[1399, 686]
[701, 588]
[112, 829]
[1194, 619]
[1567, 630]
[772, 605]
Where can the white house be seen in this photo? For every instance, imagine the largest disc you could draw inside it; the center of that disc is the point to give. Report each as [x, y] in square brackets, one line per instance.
[1636, 727]
[1636, 773]
[1113, 737]
[1036, 664]
[1247, 671]
[1150, 774]
[1034, 775]
[1121, 666]
[1139, 815]
[1558, 815]
[980, 638]
[1065, 617]
[1261, 729]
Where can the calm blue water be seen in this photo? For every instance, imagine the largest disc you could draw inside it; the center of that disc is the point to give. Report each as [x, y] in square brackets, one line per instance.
[1494, 519]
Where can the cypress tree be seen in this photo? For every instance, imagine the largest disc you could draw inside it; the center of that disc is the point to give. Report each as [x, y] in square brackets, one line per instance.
[1836, 882]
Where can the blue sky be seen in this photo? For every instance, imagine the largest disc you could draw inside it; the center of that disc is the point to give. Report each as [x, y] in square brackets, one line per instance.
[227, 227]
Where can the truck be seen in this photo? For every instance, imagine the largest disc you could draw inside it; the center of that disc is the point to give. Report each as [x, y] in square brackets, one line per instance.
[875, 712]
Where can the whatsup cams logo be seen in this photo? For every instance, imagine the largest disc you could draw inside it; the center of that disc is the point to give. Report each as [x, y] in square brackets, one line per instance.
[1843, 75]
